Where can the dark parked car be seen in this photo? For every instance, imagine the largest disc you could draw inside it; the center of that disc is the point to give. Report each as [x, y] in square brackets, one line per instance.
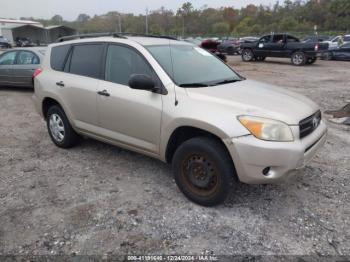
[4, 43]
[18, 66]
[24, 42]
[230, 46]
[211, 45]
[342, 53]
[317, 38]
[283, 45]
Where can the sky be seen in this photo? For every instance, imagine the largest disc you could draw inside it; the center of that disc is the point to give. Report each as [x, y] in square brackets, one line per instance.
[70, 9]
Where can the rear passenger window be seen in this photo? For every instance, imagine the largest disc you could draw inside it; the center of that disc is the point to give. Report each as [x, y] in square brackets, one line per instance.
[122, 62]
[278, 38]
[86, 60]
[58, 56]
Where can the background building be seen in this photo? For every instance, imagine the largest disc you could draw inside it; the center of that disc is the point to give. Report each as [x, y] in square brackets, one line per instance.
[35, 31]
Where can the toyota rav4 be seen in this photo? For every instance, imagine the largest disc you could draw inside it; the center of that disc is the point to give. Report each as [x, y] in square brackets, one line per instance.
[178, 103]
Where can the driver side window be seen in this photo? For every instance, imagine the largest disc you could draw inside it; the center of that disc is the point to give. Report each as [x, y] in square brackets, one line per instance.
[122, 62]
[265, 39]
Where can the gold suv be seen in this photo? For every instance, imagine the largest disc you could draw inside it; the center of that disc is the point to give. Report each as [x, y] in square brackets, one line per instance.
[176, 102]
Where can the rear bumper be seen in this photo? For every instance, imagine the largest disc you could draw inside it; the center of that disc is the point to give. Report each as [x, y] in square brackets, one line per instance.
[317, 54]
[37, 105]
[252, 156]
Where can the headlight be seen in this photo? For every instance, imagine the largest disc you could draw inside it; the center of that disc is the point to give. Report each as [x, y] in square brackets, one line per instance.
[267, 129]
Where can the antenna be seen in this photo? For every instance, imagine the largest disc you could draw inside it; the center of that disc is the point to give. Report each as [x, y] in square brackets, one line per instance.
[172, 69]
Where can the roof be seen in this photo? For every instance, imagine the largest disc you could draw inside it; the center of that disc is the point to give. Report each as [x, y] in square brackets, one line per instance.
[58, 26]
[14, 26]
[142, 40]
[39, 50]
[148, 41]
[18, 21]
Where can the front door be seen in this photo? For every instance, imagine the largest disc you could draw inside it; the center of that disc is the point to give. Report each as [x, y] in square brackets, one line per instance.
[128, 116]
[263, 48]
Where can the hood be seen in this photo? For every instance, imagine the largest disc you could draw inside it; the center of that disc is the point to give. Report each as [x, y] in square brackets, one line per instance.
[257, 99]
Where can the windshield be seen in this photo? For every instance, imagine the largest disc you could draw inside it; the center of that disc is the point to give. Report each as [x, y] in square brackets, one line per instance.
[191, 66]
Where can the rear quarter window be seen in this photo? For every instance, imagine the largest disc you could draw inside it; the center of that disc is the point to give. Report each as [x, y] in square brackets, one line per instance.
[58, 57]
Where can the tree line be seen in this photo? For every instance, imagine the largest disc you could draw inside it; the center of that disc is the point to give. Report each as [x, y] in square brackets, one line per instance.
[302, 16]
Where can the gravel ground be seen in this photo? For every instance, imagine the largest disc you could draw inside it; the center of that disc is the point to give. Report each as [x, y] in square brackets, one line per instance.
[97, 199]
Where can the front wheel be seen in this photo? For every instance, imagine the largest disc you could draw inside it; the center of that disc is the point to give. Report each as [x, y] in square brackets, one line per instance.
[59, 128]
[298, 59]
[204, 171]
[247, 55]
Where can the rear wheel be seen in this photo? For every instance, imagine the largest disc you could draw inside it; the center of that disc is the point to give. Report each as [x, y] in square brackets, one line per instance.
[247, 55]
[59, 128]
[298, 59]
[204, 171]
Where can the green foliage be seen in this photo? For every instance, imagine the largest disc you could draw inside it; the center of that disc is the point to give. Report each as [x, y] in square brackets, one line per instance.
[221, 28]
[285, 16]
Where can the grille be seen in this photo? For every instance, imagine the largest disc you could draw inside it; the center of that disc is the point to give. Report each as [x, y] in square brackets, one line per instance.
[309, 124]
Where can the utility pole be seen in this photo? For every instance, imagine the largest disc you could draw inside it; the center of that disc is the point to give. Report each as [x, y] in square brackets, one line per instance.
[120, 23]
[147, 21]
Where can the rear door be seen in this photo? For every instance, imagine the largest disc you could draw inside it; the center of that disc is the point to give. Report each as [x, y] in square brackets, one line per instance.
[7, 61]
[130, 117]
[23, 70]
[277, 46]
[79, 82]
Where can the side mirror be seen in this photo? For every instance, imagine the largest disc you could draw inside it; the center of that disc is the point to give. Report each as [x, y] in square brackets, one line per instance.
[142, 82]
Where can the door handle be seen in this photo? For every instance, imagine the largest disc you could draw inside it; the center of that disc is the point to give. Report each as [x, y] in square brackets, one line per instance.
[103, 93]
[61, 84]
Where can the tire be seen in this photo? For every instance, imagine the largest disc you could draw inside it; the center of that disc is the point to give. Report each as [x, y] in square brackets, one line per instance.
[204, 171]
[222, 57]
[59, 128]
[260, 58]
[247, 55]
[311, 60]
[327, 56]
[230, 50]
[298, 59]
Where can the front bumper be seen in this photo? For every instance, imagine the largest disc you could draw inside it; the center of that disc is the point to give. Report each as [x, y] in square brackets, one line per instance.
[252, 156]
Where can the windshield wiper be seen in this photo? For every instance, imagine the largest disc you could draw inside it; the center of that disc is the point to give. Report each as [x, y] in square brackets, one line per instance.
[227, 81]
[194, 85]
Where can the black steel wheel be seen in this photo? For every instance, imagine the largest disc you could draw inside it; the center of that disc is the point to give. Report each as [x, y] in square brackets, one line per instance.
[204, 171]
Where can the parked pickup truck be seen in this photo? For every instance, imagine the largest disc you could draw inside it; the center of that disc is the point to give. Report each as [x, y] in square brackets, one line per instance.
[283, 45]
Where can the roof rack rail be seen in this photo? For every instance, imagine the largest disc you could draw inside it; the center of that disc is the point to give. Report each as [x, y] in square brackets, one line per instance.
[118, 35]
[147, 35]
[82, 36]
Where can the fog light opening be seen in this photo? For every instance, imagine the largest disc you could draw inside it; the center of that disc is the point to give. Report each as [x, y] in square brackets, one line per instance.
[266, 171]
